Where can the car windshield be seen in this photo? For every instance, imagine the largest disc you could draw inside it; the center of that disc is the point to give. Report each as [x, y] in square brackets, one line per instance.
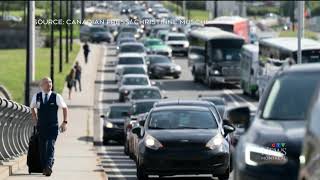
[177, 38]
[146, 94]
[130, 60]
[127, 40]
[98, 29]
[117, 112]
[153, 43]
[159, 59]
[182, 119]
[311, 56]
[135, 81]
[129, 29]
[132, 48]
[142, 107]
[226, 54]
[290, 96]
[134, 70]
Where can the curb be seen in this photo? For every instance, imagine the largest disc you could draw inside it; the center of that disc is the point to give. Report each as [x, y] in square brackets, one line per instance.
[8, 168]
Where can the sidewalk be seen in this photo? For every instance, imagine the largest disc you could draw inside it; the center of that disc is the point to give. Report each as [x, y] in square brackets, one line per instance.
[75, 158]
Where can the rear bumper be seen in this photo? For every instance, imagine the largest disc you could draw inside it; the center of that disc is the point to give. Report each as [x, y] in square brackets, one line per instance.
[113, 134]
[187, 162]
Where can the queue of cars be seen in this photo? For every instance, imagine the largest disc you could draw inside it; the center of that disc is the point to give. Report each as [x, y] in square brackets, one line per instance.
[201, 136]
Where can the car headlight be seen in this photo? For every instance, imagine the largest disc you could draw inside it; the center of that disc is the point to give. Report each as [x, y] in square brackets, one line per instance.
[177, 68]
[136, 35]
[152, 143]
[215, 142]
[108, 124]
[256, 155]
[216, 72]
[185, 45]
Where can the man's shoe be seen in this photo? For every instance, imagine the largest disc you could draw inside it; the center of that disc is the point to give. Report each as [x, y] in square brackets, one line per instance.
[48, 172]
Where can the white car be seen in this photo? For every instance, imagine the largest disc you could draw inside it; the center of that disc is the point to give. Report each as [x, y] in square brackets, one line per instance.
[178, 42]
[132, 47]
[131, 69]
[131, 81]
[129, 59]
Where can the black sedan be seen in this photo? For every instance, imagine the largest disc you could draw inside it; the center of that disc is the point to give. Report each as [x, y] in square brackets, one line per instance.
[113, 122]
[159, 66]
[182, 140]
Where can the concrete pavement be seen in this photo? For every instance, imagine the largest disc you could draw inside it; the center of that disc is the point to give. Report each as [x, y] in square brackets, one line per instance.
[75, 157]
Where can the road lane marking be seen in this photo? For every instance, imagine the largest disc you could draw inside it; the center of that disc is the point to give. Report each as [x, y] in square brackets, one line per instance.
[251, 106]
[235, 102]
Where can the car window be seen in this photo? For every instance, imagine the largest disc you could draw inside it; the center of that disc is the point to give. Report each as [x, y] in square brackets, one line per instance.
[132, 48]
[290, 96]
[133, 70]
[117, 112]
[177, 38]
[182, 119]
[146, 94]
[135, 81]
[142, 107]
[159, 59]
[130, 60]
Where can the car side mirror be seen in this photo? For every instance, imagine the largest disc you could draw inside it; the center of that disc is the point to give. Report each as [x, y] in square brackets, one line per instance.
[142, 122]
[102, 116]
[239, 115]
[137, 131]
[228, 127]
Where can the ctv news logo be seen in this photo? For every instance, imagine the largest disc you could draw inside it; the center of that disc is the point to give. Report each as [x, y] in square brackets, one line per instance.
[279, 147]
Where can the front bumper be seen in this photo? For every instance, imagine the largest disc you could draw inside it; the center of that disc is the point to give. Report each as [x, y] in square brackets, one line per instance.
[225, 79]
[185, 162]
[179, 49]
[166, 72]
[113, 134]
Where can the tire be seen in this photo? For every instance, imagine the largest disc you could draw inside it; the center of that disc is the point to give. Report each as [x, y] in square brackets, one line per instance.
[126, 148]
[176, 76]
[105, 141]
[141, 174]
[225, 176]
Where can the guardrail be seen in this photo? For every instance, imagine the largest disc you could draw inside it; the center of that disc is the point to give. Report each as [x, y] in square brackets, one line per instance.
[15, 129]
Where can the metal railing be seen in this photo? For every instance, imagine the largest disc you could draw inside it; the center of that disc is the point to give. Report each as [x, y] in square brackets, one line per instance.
[15, 129]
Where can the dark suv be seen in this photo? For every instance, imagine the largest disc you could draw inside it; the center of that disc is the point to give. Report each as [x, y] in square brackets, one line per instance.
[271, 146]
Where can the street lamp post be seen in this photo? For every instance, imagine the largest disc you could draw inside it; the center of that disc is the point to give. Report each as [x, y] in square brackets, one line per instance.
[71, 26]
[60, 38]
[300, 28]
[27, 83]
[67, 33]
[52, 46]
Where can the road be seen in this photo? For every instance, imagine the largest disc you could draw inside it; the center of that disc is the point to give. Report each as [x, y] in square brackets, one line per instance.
[116, 164]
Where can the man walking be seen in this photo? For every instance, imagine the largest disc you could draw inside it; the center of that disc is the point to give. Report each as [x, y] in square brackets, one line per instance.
[86, 51]
[78, 69]
[44, 107]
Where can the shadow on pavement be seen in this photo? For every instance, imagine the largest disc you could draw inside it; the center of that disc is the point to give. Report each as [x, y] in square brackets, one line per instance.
[109, 101]
[86, 138]
[106, 71]
[113, 90]
[185, 85]
[104, 82]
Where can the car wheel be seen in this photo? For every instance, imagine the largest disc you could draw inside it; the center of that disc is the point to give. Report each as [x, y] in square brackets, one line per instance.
[105, 141]
[225, 176]
[176, 76]
[141, 174]
[195, 78]
[126, 148]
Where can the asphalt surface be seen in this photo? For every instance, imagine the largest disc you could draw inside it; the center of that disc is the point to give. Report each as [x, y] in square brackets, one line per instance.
[116, 164]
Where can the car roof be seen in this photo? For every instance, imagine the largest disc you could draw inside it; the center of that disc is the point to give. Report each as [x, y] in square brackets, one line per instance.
[141, 66]
[176, 34]
[135, 75]
[130, 55]
[144, 100]
[302, 68]
[175, 107]
[131, 43]
[146, 87]
[290, 43]
[119, 105]
[183, 103]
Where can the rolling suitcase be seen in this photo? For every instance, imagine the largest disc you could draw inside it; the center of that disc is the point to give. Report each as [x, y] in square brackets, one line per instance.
[33, 158]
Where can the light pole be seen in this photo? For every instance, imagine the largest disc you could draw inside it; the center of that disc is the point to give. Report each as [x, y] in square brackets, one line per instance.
[60, 38]
[27, 83]
[300, 28]
[67, 33]
[52, 46]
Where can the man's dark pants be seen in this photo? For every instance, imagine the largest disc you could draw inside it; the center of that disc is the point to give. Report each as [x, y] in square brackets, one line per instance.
[47, 151]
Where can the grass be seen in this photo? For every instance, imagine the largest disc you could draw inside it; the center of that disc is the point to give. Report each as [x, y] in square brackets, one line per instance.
[12, 69]
[307, 34]
[20, 13]
[195, 14]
